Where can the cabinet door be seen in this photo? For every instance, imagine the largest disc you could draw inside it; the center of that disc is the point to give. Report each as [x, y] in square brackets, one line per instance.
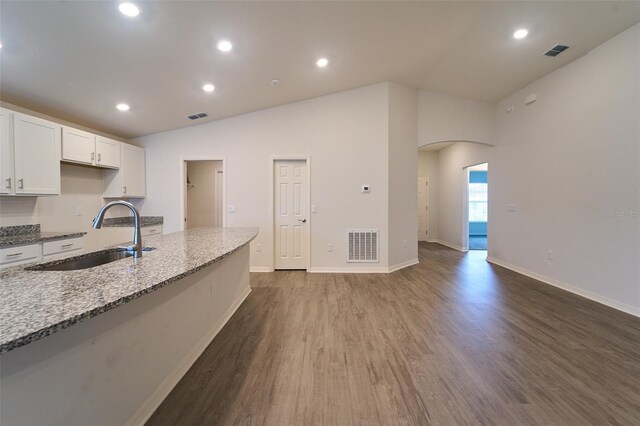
[78, 146]
[37, 155]
[7, 181]
[133, 171]
[107, 153]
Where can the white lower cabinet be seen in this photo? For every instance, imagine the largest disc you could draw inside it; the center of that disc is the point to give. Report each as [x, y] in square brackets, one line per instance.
[12, 256]
[121, 235]
[54, 248]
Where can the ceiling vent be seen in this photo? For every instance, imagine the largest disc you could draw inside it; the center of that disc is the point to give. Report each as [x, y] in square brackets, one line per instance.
[197, 116]
[556, 50]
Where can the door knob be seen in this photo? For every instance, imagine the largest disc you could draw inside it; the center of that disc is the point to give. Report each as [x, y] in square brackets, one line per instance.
[302, 220]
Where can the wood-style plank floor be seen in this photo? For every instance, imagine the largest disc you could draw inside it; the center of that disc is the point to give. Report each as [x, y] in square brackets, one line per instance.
[451, 341]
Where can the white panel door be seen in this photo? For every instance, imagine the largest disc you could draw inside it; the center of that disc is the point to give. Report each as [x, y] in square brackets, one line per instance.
[6, 152]
[107, 153]
[78, 146]
[423, 208]
[291, 215]
[37, 155]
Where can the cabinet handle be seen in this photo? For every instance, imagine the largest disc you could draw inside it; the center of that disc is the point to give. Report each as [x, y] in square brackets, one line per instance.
[92, 156]
[67, 245]
[14, 254]
[21, 183]
[8, 183]
[99, 157]
[124, 189]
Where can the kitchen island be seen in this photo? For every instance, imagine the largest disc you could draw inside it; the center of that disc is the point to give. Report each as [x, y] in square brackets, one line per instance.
[105, 345]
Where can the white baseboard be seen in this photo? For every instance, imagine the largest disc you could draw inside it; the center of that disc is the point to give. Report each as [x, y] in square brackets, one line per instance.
[632, 310]
[260, 269]
[402, 265]
[152, 403]
[362, 269]
[453, 246]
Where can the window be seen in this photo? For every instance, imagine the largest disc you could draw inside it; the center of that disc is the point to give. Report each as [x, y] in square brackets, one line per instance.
[478, 197]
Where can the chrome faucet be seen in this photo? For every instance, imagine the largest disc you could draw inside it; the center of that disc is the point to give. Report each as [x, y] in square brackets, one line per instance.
[136, 248]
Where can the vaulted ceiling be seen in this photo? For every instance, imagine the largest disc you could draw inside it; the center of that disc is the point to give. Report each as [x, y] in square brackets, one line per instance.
[77, 59]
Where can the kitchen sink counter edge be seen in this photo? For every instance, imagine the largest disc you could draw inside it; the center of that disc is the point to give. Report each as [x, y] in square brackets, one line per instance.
[26, 239]
[35, 304]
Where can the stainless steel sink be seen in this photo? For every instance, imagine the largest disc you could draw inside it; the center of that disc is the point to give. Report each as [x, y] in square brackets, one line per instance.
[86, 261]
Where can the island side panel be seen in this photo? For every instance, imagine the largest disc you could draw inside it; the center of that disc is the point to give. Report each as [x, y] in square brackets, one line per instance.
[117, 367]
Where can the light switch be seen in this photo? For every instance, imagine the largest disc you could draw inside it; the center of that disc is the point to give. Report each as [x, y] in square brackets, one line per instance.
[511, 208]
[231, 209]
[314, 208]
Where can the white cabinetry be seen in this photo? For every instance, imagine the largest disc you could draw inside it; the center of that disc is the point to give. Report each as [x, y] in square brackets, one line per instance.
[6, 152]
[78, 146]
[12, 256]
[68, 247]
[36, 146]
[129, 181]
[107, 152]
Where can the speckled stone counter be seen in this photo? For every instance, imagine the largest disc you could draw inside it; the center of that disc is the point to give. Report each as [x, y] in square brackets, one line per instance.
[127, 221]
[11, 236]
[35, 304]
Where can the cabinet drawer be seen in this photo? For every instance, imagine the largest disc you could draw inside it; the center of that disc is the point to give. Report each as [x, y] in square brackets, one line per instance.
[21, 254]
[151, 230]
[61, 246]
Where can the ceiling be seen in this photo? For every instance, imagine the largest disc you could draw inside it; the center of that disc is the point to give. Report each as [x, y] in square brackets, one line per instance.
[76, 60]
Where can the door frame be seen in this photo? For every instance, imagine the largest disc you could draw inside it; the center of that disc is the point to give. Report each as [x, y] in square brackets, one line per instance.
[465, 206]
[183, 185]
[272, 216]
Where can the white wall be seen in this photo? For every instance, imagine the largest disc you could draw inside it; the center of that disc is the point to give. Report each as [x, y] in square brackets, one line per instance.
[452, 183]
[202, 208]
[403, 168]
[444, 118]
[428, 167]
[346, 134]
[570, 163]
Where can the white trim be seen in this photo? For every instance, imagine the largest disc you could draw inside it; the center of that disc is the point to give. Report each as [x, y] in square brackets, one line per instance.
[272, 219]
[152, 403]
[183, 192]
[632, 310]
[359, 270]
[403, 265]
[260, 269]
[453, 246]
[363, 269]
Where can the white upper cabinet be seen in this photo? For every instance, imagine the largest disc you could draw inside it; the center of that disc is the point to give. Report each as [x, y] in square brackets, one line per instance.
[129, 181]
[107, 153]
[37, 155]
[78, 146]
[6, 152]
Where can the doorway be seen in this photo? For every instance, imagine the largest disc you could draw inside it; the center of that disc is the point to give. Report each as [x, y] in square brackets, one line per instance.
[291, 213]
[477, 217]
[204, 194]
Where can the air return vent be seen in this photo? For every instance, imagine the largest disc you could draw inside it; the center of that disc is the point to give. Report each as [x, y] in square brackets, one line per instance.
[197, 116]
[556, 50]
[363, 245]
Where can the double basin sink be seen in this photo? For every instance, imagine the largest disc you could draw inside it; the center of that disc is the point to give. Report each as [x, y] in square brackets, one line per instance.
[86, 261]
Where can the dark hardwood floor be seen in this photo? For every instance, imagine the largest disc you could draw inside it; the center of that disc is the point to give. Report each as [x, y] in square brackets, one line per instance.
[453, 340]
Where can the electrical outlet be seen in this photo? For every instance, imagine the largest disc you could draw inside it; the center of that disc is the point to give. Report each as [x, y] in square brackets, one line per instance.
[79, 211]
[231, 209]
[258, 248]
[404, 243]
[511, 208]
[330, 248]
[550, 254]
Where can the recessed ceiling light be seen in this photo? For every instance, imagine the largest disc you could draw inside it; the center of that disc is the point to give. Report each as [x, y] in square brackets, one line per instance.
[123, 107]
[129, 9]
[520, 34]
[322, 62]
[208, 87]
[275, 82]
[224, 46]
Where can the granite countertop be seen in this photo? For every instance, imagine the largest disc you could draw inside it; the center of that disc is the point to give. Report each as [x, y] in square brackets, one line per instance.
[35, 304]
[11, 236]
[127, 221]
